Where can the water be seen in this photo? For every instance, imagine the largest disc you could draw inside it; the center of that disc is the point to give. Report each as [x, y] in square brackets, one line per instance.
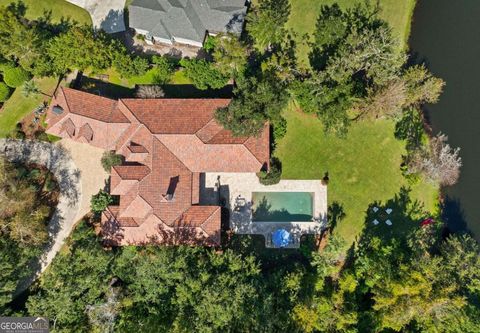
[446, 35]
[282, 206]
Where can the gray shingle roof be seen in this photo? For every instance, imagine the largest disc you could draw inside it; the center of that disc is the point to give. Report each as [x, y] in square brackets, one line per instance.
[188, 19]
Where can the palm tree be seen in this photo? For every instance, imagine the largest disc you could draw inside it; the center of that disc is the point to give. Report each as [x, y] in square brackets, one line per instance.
[30, 88]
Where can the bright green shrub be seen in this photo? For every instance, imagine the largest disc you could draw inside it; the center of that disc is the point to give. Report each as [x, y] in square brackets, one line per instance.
[15, 76]
[4, 92]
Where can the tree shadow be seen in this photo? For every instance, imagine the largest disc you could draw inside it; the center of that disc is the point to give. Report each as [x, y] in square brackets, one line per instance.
[114, 21]
[190, 91]
[105, 89]
[453, 214]
[405, 217]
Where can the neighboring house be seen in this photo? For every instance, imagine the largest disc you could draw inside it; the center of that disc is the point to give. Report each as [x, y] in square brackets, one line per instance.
[167, 145]
[186, 21]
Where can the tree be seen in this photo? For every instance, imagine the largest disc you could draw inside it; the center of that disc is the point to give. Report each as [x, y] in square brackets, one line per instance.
[384, 101]
[4, 92]
[30, 88]
[230, 54]
[421, 86]
[78, 278]
[19, 41]
[149, 91]
[15, 76]
[203, 74]
[100, 201]
[273, 175]
[265, 23]
[128, 66]
[110, 159]
[163, 69]
[440, 163]
[80, 48]
[256, 101]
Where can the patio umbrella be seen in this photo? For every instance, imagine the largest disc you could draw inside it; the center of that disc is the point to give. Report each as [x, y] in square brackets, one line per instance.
[281, 238]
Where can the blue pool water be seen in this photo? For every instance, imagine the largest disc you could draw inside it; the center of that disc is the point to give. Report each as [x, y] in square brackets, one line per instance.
[282, 206]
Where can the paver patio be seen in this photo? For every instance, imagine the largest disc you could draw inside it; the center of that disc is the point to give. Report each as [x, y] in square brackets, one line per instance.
[234, 186]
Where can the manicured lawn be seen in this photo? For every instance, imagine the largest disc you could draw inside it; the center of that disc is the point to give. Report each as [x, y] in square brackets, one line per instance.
[18, 106]
[59, 9]
[304, 13]
[363, 167]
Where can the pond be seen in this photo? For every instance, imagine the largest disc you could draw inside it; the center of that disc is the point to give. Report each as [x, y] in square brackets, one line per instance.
[446, 36]
[282, 206]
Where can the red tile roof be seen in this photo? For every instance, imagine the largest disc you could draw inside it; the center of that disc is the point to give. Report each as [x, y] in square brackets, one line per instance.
[167, 144]
[174, 116]
[92, 106]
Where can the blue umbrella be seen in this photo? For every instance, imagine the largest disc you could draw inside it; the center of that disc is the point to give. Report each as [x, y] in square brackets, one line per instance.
[281, 238]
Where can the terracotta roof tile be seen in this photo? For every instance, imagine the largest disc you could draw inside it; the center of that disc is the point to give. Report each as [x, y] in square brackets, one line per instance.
[174, 116]
[86, 132]
[132, 171]
[69, 127]
[93, 106]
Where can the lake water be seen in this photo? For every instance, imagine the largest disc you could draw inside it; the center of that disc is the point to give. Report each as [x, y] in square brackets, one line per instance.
[446, 35]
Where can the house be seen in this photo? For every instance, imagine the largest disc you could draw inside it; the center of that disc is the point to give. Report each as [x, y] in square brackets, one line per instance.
[167, 145]
[186, 21]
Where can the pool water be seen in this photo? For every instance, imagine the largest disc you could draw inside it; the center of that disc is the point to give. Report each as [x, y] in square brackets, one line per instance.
[282, 206]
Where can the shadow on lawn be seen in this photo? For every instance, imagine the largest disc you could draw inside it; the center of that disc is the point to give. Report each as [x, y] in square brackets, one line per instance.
[406, 216]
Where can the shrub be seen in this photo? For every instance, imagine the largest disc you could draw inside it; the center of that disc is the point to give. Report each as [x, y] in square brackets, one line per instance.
[203, 74]
[4, 92]
[110, 159]
[210, 43]
[274, 175]
[100, 201]
[280, 128]
[163, 69]
[127, 66]
[149, 91]
[15, 76]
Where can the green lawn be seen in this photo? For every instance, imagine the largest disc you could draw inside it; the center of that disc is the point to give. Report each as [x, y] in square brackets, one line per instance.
[18, 106]
[59, 9]
[363, 167]
[304, 13]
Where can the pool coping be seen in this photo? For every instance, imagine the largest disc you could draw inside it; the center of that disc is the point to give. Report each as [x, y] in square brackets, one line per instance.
[234, 186]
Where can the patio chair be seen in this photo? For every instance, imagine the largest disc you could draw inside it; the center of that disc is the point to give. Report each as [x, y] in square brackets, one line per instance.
[375, 222]
[388, 222]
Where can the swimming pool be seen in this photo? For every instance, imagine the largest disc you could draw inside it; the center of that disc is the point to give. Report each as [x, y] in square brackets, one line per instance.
[282, 206]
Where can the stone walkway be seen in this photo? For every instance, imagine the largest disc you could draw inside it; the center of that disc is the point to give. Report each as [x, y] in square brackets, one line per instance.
[68, 161]
[106, 14]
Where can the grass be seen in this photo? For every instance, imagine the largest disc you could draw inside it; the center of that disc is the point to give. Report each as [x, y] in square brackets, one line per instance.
[18, 106]
[363, 167]
[304, 14]
[60, 9]
[178, 77]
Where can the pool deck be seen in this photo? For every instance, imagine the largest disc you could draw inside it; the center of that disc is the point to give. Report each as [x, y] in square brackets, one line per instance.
[237, 189]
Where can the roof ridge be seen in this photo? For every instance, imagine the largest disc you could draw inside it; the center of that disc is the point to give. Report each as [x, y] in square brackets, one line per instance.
[209, 216]
[171, 152]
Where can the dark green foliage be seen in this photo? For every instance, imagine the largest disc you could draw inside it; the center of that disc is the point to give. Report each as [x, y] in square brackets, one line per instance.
[77, 277]
[4, 92]
[100, 201]
[279, 128]
[353, 53]
[274, 174]
[256, 101]
[128, 66]
[110, 159]
[303, 93]
[265, 24]
[15, 76]
[203, 74]
[164, 69]
[410, 128]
